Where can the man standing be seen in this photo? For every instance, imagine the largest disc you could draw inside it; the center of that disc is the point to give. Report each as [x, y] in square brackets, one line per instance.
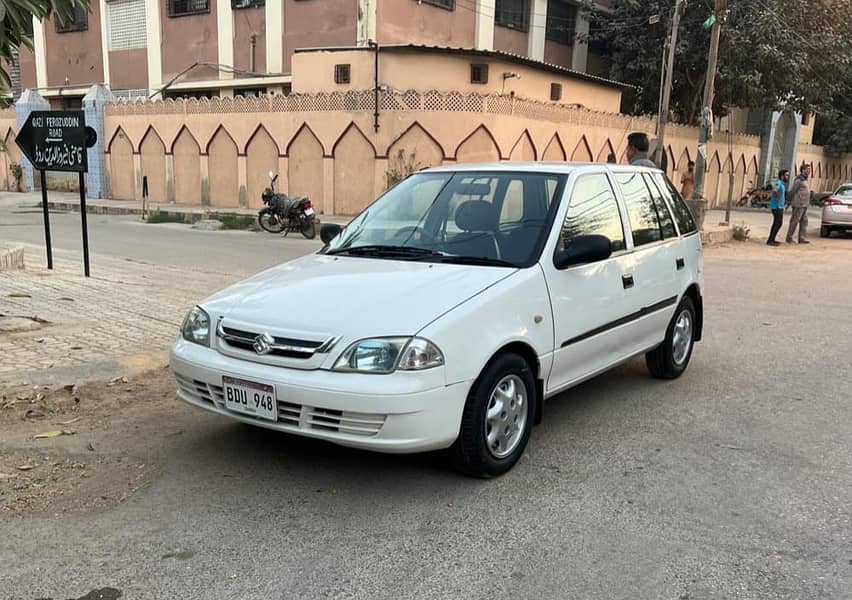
[776, 204]
[687, 182]
[800, 198]
[637, 150]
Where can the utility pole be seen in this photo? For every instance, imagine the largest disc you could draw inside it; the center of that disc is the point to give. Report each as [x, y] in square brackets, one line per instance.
[663, 117]
[707, 111]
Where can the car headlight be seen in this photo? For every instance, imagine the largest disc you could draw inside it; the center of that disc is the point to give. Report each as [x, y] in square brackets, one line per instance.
[196, 327]
[385, 355]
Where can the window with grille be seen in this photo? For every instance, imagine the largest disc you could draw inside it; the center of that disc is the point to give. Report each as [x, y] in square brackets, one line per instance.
[182, 8]
[479, 73]
[341, 73]
[561, 22]
[556, 91]
[247, 3]
[448, 4]
[126, 24]
[514, 14]
[79, 21]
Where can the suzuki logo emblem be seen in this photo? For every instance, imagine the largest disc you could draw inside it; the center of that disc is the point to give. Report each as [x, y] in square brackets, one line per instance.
[263, 343]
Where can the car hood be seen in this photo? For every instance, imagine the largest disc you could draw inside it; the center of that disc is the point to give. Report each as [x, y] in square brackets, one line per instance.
[352, 297]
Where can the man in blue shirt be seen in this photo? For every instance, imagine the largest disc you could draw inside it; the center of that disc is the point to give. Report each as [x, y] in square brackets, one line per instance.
[776, 204]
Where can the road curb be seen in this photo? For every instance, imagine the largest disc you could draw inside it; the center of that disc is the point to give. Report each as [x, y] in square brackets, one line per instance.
[712, 238]
[188, 214]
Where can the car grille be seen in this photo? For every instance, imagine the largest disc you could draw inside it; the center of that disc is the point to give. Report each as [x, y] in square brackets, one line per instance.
[289, 347]
[291, 415]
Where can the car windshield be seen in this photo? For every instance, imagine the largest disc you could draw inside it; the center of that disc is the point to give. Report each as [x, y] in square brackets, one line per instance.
[480, 218]
[845, 191]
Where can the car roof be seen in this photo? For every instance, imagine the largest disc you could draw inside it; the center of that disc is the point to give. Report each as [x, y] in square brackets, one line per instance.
[537, 167]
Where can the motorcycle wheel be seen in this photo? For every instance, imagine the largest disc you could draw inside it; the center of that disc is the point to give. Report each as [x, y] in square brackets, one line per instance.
[269, 221]
[309, 229]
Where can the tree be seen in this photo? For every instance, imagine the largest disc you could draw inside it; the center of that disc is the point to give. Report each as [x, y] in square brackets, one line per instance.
[773, 53]
[17, 17]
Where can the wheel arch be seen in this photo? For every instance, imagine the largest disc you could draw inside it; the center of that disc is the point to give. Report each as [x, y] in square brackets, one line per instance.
[525, 351]
[698, 300]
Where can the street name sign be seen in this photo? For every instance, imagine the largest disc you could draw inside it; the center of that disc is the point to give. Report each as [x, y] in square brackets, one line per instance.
[55, 140]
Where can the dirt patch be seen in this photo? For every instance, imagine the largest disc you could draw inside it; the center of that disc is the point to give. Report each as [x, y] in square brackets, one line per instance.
[77, 449]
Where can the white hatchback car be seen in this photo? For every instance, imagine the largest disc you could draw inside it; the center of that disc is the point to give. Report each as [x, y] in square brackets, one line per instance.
[446, 313]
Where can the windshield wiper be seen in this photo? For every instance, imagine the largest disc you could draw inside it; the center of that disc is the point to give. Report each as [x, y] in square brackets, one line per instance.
[476, 260]
[384, 250]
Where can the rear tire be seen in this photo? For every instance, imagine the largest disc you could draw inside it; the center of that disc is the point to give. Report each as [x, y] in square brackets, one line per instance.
[269, 221]
[309, 229]
[670, 359]
[825, 231]
[497, 418]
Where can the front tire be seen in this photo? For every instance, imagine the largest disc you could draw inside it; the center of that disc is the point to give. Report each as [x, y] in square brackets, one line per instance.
[497, 418]
[670, 359]
[824, 231]
[269, 221]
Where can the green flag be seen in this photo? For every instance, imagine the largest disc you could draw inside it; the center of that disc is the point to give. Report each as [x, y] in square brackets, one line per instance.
[709, 22]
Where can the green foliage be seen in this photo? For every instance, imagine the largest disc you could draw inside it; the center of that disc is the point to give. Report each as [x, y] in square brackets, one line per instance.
[18, 174]
[772, 53]
[16, 16]
[155, 216]
[400, 167]
[231, 221]
[833, 127]
[741, 232]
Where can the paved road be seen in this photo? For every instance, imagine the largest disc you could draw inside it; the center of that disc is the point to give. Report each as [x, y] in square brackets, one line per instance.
[731, 482]
[127, 237]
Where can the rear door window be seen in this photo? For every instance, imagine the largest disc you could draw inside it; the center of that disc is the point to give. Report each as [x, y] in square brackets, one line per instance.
[644, 222]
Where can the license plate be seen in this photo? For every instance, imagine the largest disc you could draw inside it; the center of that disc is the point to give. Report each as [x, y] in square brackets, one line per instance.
[250, 398]
[310, 212]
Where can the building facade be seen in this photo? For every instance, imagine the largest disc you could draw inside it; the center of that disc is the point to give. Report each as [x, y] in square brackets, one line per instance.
[222, 48]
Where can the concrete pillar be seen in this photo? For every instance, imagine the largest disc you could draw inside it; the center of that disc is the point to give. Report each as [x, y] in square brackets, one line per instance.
[538, 25]
[205, 179]
[328, 184]
[29, 101]
[97, 182]
[484, 31]
[137, 176]
[40, 53]
[767, 141]
[154, 41]
[242, 179]
[580, 51]
[284, 173]
[170, 178]
[104, 25]
[274, 18]
[366, 22]
[225, 35]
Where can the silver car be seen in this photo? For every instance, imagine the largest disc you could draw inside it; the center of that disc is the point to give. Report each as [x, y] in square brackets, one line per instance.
[837, 211]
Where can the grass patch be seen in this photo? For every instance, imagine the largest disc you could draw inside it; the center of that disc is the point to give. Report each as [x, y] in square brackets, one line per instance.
[161, 217]
[236, 221]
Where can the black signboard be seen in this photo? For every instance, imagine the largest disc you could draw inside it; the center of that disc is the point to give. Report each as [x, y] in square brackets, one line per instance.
[55, 140]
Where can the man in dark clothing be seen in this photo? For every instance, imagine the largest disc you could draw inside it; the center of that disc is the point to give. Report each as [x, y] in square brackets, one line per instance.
[776, 204]
[637, 150]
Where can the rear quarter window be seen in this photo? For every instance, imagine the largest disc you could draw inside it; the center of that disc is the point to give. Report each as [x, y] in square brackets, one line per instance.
[680, 210]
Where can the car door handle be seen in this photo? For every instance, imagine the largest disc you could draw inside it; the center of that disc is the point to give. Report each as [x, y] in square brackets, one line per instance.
[627, 281]
[680, 264]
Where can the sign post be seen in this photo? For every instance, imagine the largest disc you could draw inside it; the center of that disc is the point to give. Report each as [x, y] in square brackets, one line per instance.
[58, 141]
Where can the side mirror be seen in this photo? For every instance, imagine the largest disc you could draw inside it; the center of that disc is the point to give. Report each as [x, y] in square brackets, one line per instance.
[583, 249]
[329, 231]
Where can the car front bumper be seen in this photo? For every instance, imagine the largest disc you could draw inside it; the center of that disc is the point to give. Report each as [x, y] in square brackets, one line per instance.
[398, 413]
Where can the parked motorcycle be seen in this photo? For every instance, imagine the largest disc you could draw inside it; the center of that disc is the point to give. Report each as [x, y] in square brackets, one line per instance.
[756, 197]
[284, 213]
